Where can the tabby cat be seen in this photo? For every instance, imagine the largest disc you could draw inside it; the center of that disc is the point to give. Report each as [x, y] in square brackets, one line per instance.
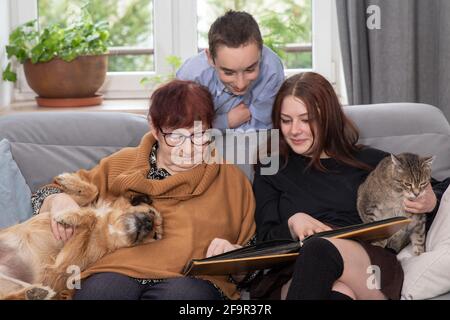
[381, 196]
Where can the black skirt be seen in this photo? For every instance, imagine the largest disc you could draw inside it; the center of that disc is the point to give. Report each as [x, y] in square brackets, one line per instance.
[268, 286]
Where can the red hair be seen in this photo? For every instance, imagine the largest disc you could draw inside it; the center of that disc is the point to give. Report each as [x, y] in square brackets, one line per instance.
[179, 103]
[332, 131]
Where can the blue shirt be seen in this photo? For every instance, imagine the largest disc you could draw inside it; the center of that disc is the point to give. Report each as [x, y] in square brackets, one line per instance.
[259, 98]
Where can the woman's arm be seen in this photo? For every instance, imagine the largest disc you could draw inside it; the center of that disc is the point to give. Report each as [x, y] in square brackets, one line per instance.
[38, 198]
[269, 225]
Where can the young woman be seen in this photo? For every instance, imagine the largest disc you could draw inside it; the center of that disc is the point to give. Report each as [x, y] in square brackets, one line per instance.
[316, 190]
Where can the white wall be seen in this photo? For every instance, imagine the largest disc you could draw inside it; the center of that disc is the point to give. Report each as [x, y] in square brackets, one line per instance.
[5, 87]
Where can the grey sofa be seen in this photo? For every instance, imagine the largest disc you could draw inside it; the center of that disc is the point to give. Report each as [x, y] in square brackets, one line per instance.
[46, 144]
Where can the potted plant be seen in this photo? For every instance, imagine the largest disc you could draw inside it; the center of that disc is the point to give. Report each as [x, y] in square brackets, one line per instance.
[64, 64]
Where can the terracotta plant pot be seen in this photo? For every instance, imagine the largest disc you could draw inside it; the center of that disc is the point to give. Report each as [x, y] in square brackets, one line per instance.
[80, 78]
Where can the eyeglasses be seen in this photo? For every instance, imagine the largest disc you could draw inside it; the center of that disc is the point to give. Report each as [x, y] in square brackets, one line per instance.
[175, 139]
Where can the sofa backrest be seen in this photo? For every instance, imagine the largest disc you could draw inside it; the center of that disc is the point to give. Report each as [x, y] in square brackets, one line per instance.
[45, 144]
[405, 127]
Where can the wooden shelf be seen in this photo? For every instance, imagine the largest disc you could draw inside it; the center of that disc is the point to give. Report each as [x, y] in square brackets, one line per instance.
[136, 106]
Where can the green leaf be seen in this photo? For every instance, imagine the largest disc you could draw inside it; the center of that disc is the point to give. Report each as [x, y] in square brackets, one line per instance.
[93, 37]
[174, 61]
[11, 51]
[9, 75]
[144, 81]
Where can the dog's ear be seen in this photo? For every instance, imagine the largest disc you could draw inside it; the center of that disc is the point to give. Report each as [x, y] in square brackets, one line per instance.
[137, 199]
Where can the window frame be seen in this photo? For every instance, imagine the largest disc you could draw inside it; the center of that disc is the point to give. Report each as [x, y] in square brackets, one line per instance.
[175, 33]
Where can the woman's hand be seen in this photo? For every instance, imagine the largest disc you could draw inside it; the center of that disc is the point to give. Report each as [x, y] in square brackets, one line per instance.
[218, 246]
[57, 203]
[303, 225]
[423, 204]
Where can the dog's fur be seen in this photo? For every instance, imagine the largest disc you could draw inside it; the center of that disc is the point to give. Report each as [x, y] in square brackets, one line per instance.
[34, 265]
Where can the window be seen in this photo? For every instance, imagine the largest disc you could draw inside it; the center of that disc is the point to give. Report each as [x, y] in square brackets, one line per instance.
[145, 32]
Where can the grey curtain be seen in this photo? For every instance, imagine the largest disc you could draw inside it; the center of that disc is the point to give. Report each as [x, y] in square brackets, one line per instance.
[407, 60]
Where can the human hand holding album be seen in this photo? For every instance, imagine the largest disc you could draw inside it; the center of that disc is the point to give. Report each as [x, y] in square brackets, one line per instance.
[302, 225]
[219, 246]
[266, 254]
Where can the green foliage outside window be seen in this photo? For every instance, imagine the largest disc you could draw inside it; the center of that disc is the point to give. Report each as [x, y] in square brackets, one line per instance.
[282, 22]
[131, 25]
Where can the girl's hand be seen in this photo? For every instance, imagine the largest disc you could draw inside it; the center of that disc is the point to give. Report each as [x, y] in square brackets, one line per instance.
[303, 225]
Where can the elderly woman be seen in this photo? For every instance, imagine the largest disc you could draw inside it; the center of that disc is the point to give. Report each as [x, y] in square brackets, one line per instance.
[207, 208]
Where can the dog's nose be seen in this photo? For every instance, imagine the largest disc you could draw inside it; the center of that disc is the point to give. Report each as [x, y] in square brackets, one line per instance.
[144, 222]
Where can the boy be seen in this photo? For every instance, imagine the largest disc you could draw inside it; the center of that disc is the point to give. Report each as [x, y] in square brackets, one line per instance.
[242, 74]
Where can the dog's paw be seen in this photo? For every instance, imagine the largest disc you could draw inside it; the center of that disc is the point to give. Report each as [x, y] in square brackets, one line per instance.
[69, 182]
[67, 218]
[81, 191]
[39, 293]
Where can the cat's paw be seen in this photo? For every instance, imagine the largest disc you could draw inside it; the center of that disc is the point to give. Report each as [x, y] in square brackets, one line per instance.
[381, 243]
[418, 250]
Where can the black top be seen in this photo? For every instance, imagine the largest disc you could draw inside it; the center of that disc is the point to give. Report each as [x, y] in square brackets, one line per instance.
[329, 197]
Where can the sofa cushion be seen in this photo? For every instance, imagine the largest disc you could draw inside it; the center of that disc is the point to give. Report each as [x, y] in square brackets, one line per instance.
[15, 205]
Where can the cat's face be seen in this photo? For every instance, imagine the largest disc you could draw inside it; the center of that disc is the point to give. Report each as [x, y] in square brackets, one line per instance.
[412, 173]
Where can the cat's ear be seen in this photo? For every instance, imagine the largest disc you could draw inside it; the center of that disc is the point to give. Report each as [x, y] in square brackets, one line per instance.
[396, 161]
[428, 161]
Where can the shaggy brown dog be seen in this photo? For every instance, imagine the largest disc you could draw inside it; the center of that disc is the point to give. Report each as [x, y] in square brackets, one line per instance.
[34, 265]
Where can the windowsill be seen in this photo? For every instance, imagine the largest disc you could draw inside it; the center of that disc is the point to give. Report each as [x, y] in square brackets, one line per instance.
[136, 106]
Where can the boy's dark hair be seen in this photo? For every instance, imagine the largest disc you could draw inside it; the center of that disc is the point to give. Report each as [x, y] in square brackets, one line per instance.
[233, 29]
